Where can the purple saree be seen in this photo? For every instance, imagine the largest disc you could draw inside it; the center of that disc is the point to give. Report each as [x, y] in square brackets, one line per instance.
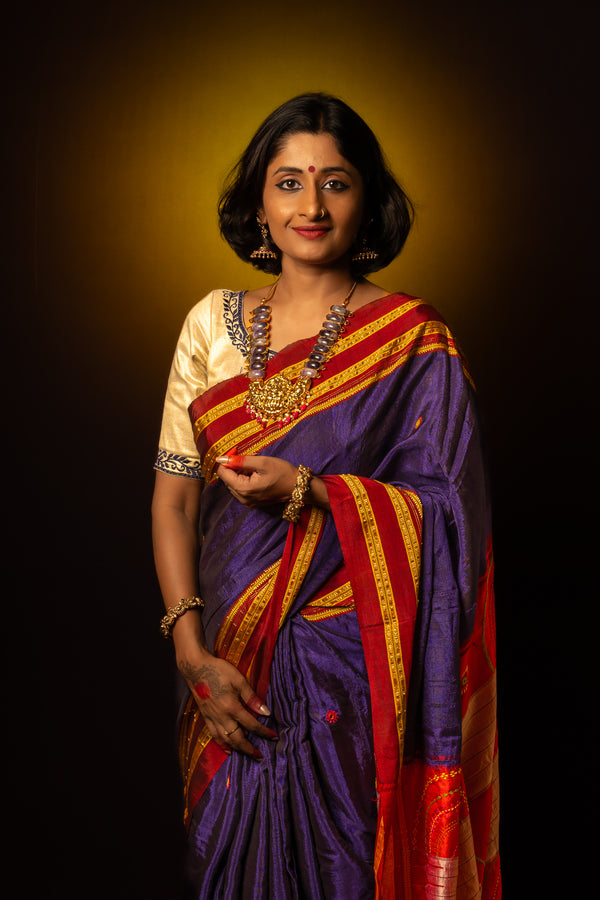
[369, 631]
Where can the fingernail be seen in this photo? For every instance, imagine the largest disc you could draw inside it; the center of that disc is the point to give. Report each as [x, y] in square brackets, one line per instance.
[233, 461]
[273, 736]
[222, 460]
[257, 754]
[264, 710]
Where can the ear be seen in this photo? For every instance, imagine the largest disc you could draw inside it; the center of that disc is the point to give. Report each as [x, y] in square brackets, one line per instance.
[260, 216]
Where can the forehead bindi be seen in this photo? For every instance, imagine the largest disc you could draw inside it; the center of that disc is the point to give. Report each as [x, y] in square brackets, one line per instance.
[307, 152]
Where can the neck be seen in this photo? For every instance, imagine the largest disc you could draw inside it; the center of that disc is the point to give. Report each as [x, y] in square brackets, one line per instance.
[312, 286]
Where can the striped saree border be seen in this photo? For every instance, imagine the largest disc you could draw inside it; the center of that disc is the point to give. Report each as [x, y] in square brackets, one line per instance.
[334, 603]
[377, 558]
[453, 810]
[392, 334]
[247, 638]
[380, 541]
[244, 616]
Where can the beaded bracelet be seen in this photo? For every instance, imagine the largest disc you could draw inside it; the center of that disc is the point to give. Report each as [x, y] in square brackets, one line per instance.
[296, 502]
[167, 622]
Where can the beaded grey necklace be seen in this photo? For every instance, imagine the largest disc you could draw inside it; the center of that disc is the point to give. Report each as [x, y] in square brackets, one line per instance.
[277, 400]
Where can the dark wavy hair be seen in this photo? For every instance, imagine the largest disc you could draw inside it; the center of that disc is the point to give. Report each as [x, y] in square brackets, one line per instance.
[388, 211]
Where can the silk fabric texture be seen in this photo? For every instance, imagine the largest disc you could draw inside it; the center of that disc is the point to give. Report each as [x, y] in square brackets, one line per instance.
[369, 631]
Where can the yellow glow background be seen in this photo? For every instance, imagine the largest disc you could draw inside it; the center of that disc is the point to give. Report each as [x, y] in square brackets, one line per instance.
[141, 120]
[128, 116]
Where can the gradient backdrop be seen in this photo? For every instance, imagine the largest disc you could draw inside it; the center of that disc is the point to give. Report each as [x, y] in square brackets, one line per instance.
[127, 118]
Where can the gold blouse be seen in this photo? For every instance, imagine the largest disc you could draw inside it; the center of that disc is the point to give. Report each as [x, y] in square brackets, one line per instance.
[210, 349]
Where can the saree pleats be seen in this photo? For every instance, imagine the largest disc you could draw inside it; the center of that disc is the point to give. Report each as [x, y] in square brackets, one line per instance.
[369, 631]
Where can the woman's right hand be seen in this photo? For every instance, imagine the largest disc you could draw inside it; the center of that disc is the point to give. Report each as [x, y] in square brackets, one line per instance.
[228, 703]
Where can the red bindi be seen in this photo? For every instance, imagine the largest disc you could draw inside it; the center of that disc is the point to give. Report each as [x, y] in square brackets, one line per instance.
[202, 690]
[311, 168]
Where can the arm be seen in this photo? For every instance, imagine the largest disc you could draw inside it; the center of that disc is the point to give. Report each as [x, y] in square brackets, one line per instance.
[221, 691]
[175, 512]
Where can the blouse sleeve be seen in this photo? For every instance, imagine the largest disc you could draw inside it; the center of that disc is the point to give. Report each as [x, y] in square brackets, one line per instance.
[177, 454]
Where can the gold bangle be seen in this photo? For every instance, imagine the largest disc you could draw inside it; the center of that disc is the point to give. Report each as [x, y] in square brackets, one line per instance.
[296, 502]
[167, 622]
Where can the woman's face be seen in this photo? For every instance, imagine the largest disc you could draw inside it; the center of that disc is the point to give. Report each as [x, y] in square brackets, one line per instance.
[313, 200]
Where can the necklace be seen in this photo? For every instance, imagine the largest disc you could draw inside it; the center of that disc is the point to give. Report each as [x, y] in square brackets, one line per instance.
[277, 400]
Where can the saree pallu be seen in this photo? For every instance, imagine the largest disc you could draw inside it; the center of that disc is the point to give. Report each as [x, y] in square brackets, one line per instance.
[369, 631]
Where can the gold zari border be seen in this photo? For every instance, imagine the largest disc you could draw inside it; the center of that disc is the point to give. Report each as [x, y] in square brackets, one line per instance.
[412, 543]
[385, 593]
[335, 603]
[336, 388]
[303, 559]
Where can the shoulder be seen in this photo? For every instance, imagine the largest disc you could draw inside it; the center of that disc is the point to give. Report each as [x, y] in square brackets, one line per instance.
[429, 333]
[419, 326]
[212, 304]
[210, 314]
[413, 309]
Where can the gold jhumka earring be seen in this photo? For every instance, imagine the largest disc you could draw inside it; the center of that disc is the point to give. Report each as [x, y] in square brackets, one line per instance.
[263, 252]
[365, 252]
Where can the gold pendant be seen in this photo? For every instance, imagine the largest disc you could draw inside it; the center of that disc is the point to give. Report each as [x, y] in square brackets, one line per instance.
[277, 400]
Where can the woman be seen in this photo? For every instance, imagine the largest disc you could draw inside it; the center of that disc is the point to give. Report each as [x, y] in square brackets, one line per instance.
[338, 734]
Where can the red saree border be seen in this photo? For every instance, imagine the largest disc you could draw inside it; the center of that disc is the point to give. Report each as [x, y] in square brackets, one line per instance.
[382, 336]
[437, 829]
[454, 810]
[247, 639]
[378, 537]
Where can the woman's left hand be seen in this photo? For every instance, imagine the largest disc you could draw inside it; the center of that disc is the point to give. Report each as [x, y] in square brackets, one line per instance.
[260, 480]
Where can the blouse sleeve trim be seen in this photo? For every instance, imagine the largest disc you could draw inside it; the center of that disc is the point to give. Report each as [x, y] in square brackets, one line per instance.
[176, 464]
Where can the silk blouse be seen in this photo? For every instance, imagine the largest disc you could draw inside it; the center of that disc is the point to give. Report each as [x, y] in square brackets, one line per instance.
[211, 348]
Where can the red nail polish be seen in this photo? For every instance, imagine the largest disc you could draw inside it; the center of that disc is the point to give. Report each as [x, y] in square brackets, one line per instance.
[273, 736]
[257, 754]
[234, 461]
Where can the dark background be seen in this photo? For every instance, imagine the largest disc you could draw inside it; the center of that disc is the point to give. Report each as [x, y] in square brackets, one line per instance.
[92, 772]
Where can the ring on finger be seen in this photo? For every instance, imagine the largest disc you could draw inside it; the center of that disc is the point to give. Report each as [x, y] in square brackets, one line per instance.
[227, 733]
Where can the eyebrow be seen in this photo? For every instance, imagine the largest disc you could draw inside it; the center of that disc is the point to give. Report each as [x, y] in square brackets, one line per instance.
[297, 171]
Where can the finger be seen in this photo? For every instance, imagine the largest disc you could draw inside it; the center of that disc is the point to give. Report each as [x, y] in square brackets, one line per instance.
[234, 478]
[247, 722]
[214, 733]
[247, 748]
[227, 726]
[253, 701]
[242, 498]
[222, 459]
[235, 727]
[233, 461]
[234, 739]
[239, 742]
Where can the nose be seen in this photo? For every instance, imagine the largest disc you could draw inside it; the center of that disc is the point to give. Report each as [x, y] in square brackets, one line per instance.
[313, 205]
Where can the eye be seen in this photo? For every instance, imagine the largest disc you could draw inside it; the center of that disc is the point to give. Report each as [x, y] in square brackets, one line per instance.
[289, 184]
[334, 184]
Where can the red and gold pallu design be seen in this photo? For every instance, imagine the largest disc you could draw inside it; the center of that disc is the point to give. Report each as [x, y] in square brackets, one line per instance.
[437, 823]
[407, 546]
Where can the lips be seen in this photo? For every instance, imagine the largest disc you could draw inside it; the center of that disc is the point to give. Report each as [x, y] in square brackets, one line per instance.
[312, 233]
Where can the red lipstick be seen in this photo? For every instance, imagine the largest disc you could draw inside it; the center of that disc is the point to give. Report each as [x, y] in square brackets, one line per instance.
[311, 233]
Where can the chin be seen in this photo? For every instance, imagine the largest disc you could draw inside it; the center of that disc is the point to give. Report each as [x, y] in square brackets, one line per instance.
[321, 257]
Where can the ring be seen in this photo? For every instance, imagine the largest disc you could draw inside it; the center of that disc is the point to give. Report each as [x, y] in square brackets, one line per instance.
[227, 733]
